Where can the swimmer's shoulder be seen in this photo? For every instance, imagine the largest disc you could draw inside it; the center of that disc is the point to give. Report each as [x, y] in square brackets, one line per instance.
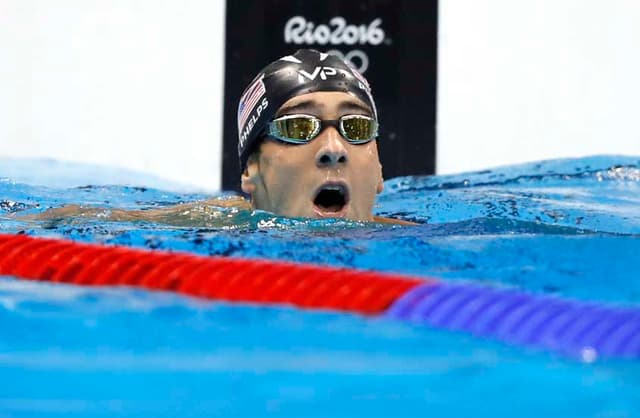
[227, 202]
[382, 220]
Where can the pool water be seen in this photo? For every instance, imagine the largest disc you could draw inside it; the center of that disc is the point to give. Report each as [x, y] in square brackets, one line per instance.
[564, 228]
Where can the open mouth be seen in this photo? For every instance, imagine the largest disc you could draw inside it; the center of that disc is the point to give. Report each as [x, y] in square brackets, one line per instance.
[331, 199]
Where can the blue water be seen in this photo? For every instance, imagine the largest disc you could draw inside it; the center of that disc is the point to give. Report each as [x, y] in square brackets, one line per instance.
[568, 228]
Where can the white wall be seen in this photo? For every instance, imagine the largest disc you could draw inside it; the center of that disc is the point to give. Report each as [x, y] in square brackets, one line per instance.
[139, 84]
[135, 84]
[531, 79]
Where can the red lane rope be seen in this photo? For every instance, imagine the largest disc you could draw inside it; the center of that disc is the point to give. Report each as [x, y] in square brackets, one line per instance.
[229, 279]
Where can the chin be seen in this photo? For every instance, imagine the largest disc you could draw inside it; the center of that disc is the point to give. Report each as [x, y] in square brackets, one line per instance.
[342, 212]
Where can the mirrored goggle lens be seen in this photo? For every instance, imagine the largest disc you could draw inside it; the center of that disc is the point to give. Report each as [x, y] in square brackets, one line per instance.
[297, 128]
[359, 128]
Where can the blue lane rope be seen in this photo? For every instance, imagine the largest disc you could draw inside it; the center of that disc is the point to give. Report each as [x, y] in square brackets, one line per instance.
[576, 328]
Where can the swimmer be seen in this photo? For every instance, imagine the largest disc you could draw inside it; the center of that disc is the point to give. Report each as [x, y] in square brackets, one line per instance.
[308, 128]
[307, 144]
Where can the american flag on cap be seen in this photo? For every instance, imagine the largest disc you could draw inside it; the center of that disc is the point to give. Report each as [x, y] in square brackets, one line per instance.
[249, 100]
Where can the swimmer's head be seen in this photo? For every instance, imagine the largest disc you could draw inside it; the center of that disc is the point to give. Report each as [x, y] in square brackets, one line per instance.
[306, 71]
[308, 129]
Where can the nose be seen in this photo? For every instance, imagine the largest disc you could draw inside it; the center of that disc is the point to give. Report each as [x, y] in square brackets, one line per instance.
[332, 152]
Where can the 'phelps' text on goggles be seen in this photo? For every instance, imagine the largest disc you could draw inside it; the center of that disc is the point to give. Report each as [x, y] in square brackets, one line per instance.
[301, 129]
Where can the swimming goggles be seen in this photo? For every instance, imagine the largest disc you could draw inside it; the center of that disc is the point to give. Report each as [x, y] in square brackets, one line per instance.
[301, 129]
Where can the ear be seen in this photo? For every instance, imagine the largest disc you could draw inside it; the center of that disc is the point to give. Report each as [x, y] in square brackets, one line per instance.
[249, 176]
[380, 186]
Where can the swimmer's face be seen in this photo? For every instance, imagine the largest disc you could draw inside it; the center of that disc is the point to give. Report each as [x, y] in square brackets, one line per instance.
[325, 178]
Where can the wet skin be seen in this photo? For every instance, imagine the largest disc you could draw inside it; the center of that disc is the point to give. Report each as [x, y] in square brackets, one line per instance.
[285, 178]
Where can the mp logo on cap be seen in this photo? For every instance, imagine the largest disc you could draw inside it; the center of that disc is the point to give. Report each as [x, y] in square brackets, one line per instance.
[323, 72]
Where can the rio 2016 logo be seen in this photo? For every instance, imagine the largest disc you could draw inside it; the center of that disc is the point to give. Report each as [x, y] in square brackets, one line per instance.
[299, 31]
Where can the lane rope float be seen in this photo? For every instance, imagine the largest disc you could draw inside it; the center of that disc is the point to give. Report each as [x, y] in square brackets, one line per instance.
[566, 326]
[221, 278]
[571, 327]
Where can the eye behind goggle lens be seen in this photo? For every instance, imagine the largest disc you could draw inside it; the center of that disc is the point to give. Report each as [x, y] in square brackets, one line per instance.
[359, 128]
[296, 128]
[299, 129]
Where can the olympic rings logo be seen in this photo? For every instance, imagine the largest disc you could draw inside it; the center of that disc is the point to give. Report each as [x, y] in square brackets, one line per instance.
[355, 58]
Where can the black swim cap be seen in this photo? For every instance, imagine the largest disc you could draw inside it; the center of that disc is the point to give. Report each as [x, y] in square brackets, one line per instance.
[306, 71]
